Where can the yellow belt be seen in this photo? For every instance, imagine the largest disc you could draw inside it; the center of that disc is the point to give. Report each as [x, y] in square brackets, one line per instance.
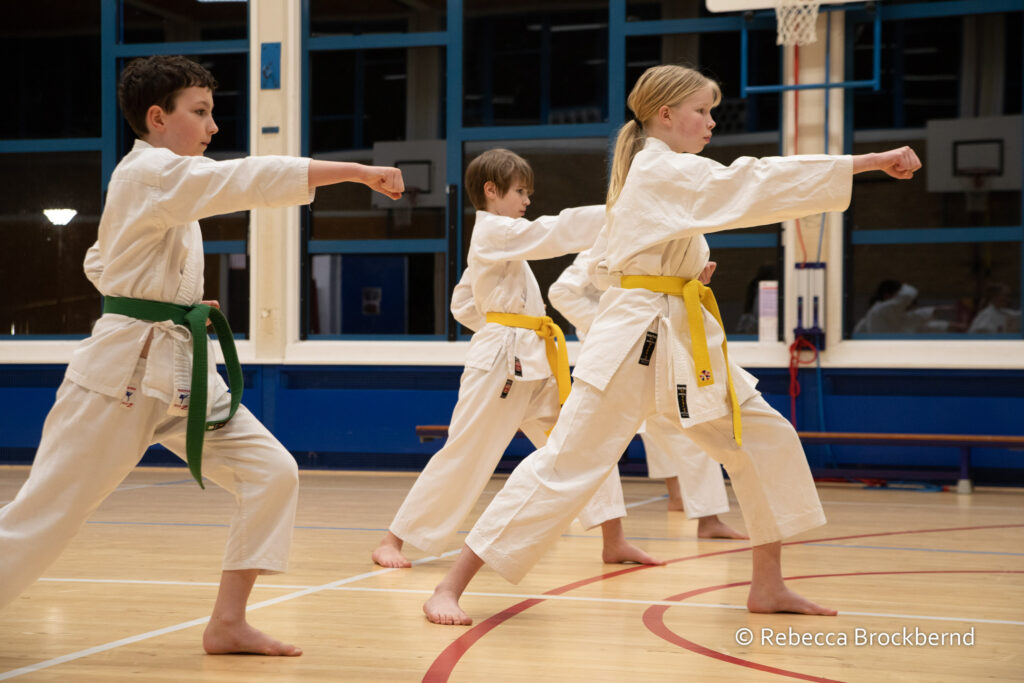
[695, 296]
[554, 342]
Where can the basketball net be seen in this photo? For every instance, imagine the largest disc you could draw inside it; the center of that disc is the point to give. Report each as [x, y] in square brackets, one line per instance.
[797, 22]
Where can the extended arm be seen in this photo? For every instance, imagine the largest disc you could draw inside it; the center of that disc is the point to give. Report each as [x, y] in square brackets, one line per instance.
[383, 179]
[899, 163]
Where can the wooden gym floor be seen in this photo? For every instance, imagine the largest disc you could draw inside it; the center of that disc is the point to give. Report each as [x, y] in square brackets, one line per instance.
[129, 597]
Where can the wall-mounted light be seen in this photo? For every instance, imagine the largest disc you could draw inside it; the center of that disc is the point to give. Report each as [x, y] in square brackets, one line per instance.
[60, 216]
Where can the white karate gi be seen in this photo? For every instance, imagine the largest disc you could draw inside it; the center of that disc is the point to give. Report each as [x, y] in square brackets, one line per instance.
[895, 315]
[669, 452]
[656, 228]
[507, 384]
[113, 404]
[995, 319]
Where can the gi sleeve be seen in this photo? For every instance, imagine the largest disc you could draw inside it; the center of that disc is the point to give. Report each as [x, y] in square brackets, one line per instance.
[574, 295]
[671, 196]
[518, 239]
[464, 305]
[194, 187]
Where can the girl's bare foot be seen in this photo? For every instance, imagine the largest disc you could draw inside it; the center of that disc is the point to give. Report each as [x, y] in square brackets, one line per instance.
[770, 601]
[389, 553]
[617, 550]
[712, 527]
[222, 638]
[443, 608]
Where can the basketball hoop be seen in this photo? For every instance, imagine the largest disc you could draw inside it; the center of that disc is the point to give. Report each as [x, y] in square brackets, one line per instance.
[976, 192]
[797, 21]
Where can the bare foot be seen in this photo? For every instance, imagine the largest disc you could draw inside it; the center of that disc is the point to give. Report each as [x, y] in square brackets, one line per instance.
[223, 638]
[627, 553]
[389, 553]
[675, 504]
[784, 600]
[712, 527]
[443, 608]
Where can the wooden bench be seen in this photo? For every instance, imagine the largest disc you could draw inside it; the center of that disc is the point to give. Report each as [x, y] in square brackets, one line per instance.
[965, 442]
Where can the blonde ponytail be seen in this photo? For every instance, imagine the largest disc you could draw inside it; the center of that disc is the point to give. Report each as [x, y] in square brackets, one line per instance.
[630, 141]
[665, 85]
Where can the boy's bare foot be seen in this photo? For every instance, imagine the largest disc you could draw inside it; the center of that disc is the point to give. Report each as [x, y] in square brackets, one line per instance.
[627, 553]
[389, 553]
[223, 638]
[770, 601]
[443, 608]
[712, 527]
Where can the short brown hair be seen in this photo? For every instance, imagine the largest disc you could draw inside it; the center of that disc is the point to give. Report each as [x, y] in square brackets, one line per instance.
[157, 80]
[499, 166]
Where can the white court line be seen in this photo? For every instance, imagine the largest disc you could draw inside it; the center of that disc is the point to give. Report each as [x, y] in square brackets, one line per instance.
[339, 586]
[673, 603]
[952, 506]
[645, 502]
[196, 622]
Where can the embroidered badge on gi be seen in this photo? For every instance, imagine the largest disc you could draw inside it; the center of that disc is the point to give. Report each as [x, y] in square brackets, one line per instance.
[684, 412]
[508, 388]
[127, 402]
[181, 398]
[519, 367]
[705, 375]
[648, 350]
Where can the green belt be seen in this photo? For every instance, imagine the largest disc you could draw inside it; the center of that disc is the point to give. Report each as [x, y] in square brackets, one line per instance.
[195, 318]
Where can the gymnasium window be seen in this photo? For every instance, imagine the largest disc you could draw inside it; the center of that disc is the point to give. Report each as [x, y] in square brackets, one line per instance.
[952, 235]
[49, 159]
[373, 266]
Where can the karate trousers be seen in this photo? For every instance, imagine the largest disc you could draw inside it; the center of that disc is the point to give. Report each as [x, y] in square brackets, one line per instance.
[671, 453]
[769, 473]
[481, 428]
[91, 442]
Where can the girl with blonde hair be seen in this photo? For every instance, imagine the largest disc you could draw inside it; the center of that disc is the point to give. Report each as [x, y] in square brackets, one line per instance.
[657, 346]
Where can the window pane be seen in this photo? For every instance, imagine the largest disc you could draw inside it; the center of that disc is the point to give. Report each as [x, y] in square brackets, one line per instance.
[226, 275]
[718, 55]
[534, 67]
[51, 53]
[378, 107]
[951, 90]
[166, 21]
[226, 280]
[921, 289]
[342, 17]
[377, 294]
[735, 284]
[41, 275]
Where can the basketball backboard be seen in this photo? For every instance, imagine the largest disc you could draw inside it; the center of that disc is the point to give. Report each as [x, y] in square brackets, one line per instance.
[960, 152]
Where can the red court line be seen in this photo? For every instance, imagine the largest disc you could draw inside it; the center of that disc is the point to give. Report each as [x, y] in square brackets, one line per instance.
[654, 617]
[441, 668]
